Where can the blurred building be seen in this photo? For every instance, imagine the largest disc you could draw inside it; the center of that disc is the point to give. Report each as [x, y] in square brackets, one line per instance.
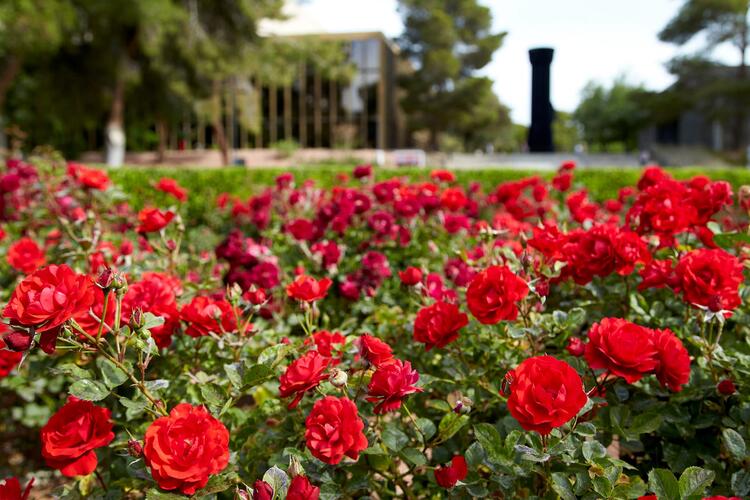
[361, 112]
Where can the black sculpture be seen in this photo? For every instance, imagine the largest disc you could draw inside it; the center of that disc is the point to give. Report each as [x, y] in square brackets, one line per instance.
[542, 113]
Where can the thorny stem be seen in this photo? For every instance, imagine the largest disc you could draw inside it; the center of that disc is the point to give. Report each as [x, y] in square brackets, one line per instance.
[139, 384]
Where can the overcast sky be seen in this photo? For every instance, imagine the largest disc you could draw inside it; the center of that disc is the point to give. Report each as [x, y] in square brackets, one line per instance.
[593, 40]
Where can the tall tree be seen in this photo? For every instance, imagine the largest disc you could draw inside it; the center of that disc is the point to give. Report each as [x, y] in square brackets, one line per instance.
[721, 22]
[611, 117]
[446, 41]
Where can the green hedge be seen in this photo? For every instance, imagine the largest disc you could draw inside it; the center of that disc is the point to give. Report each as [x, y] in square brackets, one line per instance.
[206, 184]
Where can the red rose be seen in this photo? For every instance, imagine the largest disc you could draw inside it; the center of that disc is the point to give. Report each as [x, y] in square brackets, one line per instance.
[622, 348]
[544, 394]
[710, 278]
[374, 350]
[657, 274]
[301, 229]
[73, 433]
[205, 315]
[308, 289]
[726, 387]
[185, 448]
[301, 489]
[493, 293]
[89, 177]
[171, 187]
[453, 199]
[721, 497]
[443, 175]
[262, 490]
[362, 171]
[438, 325]
[46, 299]
[334, 429]
[155, 294]
[25, 256]
[673, 370]
[448, 475]
[302, 375]
[324, 342]
[151, 220]
[410, 276]
[10, 489]
[390, 384]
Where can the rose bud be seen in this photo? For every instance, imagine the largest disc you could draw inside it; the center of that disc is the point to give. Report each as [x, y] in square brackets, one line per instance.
[576, 347]
[105, 279]
[135, 449]
[463, 405]
[295, 468]
[338, 378]
[137, 319]
[18, 340]
[242, 494]
[171, 245]
[542, 288]
[726, 387]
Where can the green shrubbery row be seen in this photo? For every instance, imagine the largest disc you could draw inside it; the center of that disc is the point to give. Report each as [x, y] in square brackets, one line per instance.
[206, 184]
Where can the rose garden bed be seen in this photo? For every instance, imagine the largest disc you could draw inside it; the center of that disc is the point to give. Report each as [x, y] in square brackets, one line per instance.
[412, 334]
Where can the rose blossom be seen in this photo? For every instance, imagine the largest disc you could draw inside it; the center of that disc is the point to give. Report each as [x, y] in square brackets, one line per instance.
[438, 325]
[710, 278]
[185, 448]
[302, 375]
[448, 475]
[151, 220]
[621, 348]
[25, 256]
[10, 489]
[545, 393]
[73, 433]
[390, 384]
[300, 488]
[334, 430]
[374, 350]
[171, 187]
[673, 370]
[205, 315]
[308, 289]
[45, 300]
[493, 293]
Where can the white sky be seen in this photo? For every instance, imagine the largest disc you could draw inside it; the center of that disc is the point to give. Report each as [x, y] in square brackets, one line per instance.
[593, 40]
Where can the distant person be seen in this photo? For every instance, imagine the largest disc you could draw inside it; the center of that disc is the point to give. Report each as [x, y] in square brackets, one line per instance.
[644, 158]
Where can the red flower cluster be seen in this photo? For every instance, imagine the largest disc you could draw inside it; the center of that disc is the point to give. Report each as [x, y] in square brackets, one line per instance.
[172, 187]
[302, 375]
[25, 256]
[151, 220]
[710, 278]
[390, 384]
[205, 315]
[630, 351]
[185, 448]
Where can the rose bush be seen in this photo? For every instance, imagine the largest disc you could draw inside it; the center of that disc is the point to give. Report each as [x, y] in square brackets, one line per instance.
[396, 338]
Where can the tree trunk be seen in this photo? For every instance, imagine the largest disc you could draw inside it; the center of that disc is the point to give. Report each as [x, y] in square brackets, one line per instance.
[8, 74]
[218, 124]
[115, 154]
[161, 131]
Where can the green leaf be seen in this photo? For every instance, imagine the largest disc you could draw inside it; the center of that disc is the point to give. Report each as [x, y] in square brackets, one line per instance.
[562, 486]
[694, 481]
[278, 480]
[212, 394]
[427, 427]
[490, 439]
[274, 355]
[741, 483]
[734, 444]
[256, 375]
[73, 371]
[154, 494]
[645, 423]
[111, 374]
[593, 449]
[217, 484]
[450, 424]
[394, 438]
[234, 374]
[602, 485]
[730, 240]
[90, 390]
[475, 454]
[152, 321]
[663, 483]
[413, 456]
